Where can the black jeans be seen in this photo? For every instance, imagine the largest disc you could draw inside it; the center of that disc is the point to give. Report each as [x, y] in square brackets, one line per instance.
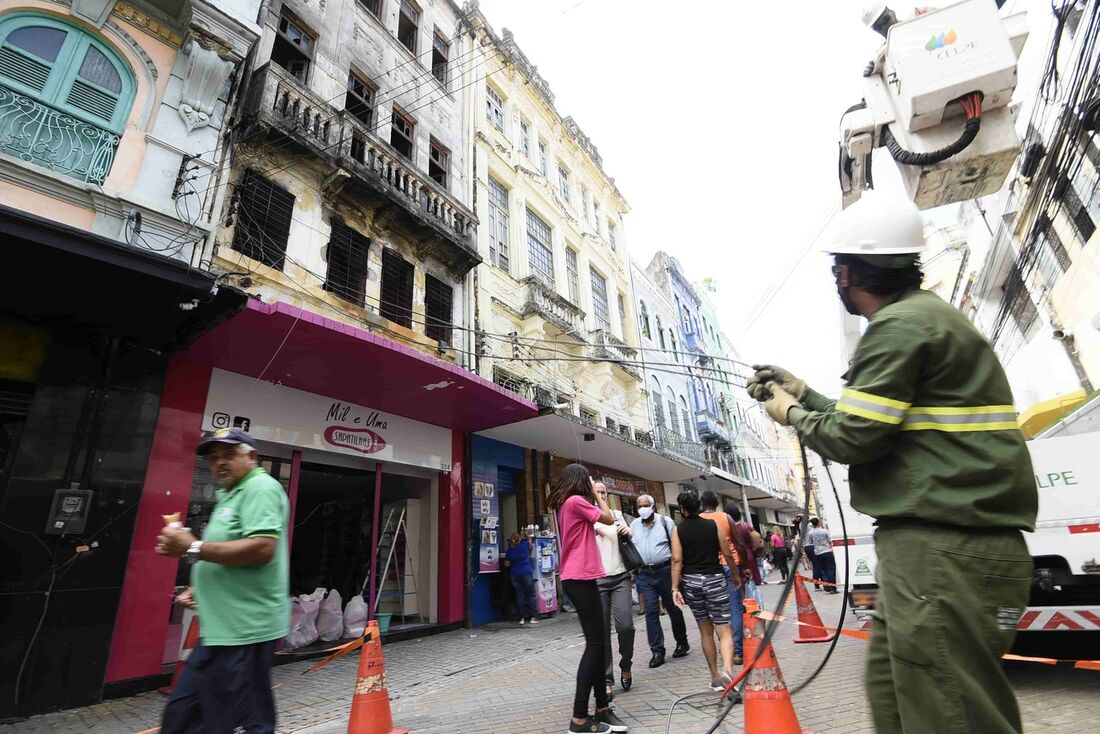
[223, 690]
[779, 555]
[585, 596]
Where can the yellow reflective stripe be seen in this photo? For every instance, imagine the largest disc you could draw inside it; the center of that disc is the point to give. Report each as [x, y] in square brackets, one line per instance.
[869, 414]
[867, 397]
[976, 410]
[961, 427]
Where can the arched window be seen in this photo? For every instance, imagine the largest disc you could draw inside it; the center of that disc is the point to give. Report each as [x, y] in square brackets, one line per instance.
[658, 412]
[64, 96]
[673, 414]
[660, 331]
[645, 320]
[688, 432]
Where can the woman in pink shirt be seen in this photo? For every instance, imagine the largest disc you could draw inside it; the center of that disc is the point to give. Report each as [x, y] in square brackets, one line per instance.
[578, 508]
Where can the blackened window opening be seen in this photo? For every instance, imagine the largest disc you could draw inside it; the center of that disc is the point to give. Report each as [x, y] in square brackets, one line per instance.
[347, 264]
[441, 52]
[408, 25]
[439, 163]
[402, 134]
[397, 288]
[293, 48]
[262, 220]
[438, 309]
[359, 100]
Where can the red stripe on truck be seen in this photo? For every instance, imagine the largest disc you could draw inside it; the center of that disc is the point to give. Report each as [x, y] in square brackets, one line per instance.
[1089, 528]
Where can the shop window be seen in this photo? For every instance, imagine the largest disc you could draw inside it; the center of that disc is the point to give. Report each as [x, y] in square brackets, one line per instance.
[403, 133]
[347, 263]
[397, 288]
[359, 100]
[439, 163]
[494, 107]
[262, 218]
[293, 48]
[65, 96]
[438, 309]
[540, 249]
[441, 52]
[498, 225]
[408, 25]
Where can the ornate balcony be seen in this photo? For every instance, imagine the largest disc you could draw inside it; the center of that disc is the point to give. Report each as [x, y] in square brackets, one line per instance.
[673, 443]
[37, 133]
[710, 428]
[366, 169]
[546, 303]
[605, 345]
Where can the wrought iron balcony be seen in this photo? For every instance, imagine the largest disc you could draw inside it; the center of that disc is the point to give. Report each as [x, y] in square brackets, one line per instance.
[605, 345]
[37, 133]
[546, 303]
[365, 167]
[673, 443]
[710, 428]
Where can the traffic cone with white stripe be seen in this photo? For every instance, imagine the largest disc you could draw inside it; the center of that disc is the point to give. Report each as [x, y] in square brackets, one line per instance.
[189, 643]
[811, 629]
[370, 704]
[768, 707]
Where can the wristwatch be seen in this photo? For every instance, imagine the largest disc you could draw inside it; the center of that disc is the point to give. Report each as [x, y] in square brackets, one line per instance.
[192, 553]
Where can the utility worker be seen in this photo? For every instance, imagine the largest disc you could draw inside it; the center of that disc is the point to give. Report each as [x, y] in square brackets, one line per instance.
[927, 425]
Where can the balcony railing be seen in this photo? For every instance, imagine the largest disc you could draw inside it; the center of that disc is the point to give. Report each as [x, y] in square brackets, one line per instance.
[606, 345]
[543, 301]
[37, 133]
[280, 101]
[710, 428]
[674, 443]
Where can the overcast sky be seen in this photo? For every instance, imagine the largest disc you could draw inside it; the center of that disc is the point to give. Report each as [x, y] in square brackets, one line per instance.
[718, 121]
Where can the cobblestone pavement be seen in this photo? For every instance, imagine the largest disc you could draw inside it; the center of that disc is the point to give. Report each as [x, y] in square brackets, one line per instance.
[508, 678]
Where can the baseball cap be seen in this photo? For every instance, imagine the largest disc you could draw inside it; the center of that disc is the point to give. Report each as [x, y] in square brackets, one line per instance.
[233, 436]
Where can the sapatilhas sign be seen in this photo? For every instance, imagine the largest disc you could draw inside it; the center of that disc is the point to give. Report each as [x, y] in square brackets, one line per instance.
[283, 415]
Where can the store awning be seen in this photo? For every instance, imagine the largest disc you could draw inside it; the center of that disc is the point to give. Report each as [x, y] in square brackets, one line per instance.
[564, 435]
[290, 346]
[63, 277]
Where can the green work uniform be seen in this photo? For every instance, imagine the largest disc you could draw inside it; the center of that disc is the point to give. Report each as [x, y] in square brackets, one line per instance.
[242, 605]
[927, 425]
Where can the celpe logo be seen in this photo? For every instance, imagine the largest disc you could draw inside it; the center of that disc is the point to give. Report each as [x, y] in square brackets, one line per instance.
[363, 440]
[941, 40]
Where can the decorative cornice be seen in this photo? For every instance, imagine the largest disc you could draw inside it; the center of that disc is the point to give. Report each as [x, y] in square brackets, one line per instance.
[148, 23]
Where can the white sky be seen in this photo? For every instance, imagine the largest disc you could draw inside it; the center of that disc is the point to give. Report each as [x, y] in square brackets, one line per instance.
[719, 121]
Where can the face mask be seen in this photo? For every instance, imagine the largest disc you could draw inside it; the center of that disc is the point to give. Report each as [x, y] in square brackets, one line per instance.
[645, 512]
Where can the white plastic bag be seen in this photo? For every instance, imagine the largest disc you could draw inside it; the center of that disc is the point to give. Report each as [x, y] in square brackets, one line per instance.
[330, 617]
[355, 616]
[310, 607]
[301, 633]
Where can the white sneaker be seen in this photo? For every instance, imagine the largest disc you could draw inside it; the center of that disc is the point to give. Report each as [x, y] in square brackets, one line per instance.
[521, 621]
[534, 621]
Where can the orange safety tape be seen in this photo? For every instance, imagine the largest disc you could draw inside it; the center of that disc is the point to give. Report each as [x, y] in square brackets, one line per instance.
[819, 581]
[863, 635]
[339, 651]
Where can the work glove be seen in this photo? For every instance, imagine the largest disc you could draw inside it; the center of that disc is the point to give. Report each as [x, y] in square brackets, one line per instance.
[779, 403]
[765, 373]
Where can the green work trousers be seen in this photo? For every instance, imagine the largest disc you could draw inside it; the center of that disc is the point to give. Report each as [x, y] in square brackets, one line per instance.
[948, 603]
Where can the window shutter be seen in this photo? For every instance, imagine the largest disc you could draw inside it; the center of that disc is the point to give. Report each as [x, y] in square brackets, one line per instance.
[397, 288]
[438, 306]
[23, 69]
[347, 263]
[264, 211]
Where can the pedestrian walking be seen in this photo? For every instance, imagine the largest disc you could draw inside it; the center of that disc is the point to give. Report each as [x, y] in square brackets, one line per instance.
[753, 544]
[615, 597]
[779, 551]
[824, 559]
[736, 575]
[652, 536]
[240, 586]
[927, 426]
[804, 552]
[698, 579]
[518, 558]
[578, 508]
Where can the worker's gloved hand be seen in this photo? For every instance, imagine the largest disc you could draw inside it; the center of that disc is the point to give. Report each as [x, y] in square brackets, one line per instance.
[779, 403]
[765, 373]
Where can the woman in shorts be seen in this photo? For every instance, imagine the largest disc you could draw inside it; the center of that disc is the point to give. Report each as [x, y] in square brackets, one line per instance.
[697, 578]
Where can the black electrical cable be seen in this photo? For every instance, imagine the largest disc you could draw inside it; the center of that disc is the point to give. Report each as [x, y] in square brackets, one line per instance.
[909, 158]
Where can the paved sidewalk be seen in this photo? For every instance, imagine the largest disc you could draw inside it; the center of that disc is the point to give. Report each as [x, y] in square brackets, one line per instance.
[508, 678]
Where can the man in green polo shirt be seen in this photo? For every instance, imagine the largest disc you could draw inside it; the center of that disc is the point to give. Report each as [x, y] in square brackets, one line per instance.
[240, 587]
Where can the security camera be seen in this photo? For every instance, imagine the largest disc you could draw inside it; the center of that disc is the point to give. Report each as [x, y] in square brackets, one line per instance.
[1061, 335]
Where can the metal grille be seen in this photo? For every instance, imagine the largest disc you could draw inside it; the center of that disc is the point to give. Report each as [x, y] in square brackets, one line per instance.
[1055, 244]
[1075, 208]
[599, 301]
[1020, 304]
[571, 275]
[540, 248]
[347, 263]
[264, 211]
[438, 308]
[498, 225]
[397, 288]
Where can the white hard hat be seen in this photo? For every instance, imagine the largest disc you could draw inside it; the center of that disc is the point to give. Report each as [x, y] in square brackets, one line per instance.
[878, 224]
[871, 13]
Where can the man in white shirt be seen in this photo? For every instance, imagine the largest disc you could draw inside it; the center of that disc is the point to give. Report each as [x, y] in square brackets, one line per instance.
[818, 538]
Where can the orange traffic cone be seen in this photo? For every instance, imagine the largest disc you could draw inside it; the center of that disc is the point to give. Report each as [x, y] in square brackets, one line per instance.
[768, 707]
[807, 614]
[751, 605]
[370, 704]
[189, 643]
